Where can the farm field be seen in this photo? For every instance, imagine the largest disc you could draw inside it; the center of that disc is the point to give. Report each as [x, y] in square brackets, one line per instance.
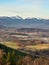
[38, 47]
[27, 47]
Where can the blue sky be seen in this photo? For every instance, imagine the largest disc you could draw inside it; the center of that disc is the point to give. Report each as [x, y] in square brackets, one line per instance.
[25, 8]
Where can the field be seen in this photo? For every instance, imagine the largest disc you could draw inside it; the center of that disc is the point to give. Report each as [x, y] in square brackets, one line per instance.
[10, 44]
[27, 47]
[38, 47]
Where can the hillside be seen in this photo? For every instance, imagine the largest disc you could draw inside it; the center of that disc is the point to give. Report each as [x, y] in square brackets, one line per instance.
[9, 56]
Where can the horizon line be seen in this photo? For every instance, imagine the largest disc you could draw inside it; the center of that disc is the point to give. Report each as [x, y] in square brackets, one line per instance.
[23, 17]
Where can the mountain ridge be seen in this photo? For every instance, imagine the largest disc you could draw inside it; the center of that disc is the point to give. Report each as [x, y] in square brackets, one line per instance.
[19, 22]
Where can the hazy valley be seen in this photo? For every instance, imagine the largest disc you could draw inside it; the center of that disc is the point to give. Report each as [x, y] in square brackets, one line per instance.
[25, 39]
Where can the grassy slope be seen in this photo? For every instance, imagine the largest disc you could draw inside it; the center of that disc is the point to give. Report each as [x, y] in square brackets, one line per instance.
[34, 54]
[8, 49]
[38, 47]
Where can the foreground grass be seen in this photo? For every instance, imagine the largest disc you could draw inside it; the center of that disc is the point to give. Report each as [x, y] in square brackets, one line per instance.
[9, 56]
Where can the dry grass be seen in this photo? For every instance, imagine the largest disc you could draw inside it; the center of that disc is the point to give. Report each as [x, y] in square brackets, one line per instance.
[28, 47]
[38, 47]
[11, 45]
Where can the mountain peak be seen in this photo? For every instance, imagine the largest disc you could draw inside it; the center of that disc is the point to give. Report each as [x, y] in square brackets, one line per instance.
[18, 17]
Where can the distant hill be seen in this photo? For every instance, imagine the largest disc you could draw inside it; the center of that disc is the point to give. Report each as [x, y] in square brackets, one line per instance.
[19, 22]
[33, 29]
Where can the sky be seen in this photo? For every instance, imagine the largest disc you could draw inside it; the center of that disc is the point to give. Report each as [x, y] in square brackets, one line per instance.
[25, 8]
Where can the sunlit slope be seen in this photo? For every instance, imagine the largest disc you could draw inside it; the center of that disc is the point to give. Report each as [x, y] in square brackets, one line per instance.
[38, 47]
[27, 47]
[11, 45]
